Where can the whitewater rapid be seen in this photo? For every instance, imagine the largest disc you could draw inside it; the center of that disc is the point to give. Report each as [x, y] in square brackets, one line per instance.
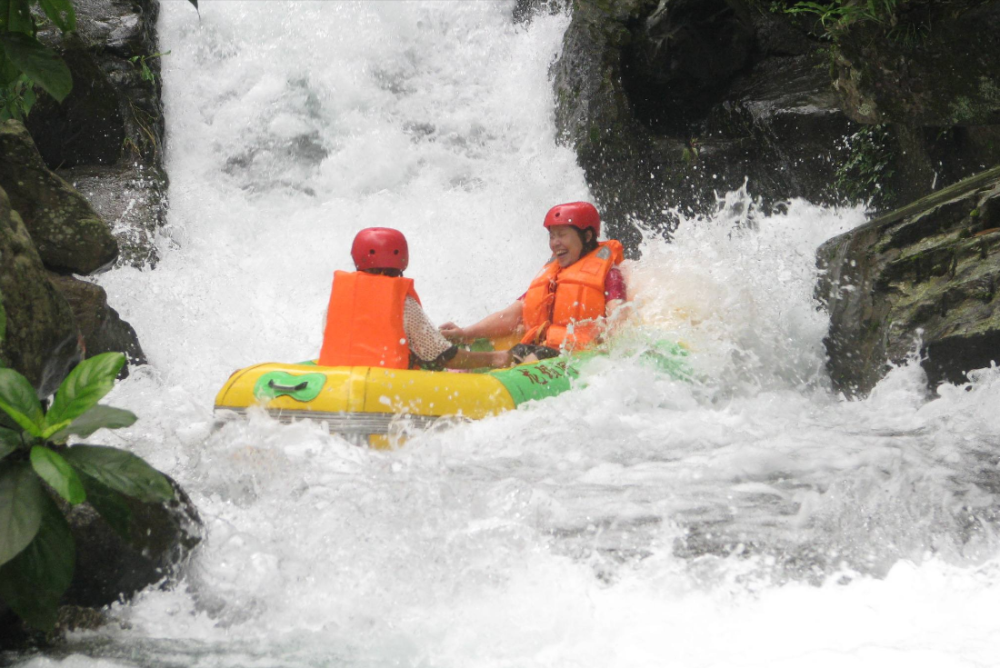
[752, 517]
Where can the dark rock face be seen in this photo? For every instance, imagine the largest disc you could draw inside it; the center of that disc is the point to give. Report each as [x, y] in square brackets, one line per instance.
[42, 341]
[938, 66]
[108, 133]
[100, 327]
[669, 103]
[68, 233]
[929, 77]
[681, 60]
[87, 127]
[109, 568]
[926, 272]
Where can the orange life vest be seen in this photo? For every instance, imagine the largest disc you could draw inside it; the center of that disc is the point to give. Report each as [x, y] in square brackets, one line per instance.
[561, 306]
[364, 321]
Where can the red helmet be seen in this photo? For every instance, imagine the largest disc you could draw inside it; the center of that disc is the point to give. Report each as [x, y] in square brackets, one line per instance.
[380, 248]
[582, 215]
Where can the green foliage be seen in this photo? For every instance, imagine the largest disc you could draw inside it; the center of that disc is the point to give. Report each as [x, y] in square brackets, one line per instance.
[25, 62]
[142, 62]
[864, 176]
[37, 552]
[21, 55]
[33, 582]
[17, 98]
[3, 322]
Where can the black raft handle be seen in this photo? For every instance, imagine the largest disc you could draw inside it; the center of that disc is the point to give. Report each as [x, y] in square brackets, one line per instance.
[287, 388]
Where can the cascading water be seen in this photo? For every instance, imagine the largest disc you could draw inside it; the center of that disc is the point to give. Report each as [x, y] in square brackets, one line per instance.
[748, 518]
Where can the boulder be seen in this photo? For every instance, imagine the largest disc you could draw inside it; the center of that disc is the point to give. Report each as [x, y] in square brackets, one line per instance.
[101, 329]
[669, 104]
[41, 340]
[109, 568]
[924, 278]
[68, 233]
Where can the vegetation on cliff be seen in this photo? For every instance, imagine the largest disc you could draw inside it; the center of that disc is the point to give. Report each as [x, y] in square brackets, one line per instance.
[37, 469]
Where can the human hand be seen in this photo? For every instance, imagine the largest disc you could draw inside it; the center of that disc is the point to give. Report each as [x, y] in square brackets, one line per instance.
[451, 331]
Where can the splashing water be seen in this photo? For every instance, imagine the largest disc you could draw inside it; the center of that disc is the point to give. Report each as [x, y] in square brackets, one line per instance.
[750, 517]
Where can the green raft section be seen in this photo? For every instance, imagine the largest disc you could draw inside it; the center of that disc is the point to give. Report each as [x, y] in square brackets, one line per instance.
[525, 382]
[550, 377]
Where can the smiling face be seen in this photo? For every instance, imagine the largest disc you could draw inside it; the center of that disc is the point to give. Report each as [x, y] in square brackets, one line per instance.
[566, 244]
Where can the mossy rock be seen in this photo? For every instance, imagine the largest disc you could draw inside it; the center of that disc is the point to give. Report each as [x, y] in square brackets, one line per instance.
[924, 276]
[41, 339]
[68, 233]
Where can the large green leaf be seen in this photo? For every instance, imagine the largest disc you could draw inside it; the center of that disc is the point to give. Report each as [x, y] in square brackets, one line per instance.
[60, 476]
[61, 13]
[111, 505]
[21, 504]
[33, 582]
[3, 321]
[43, 65]
[8, 71]
[9, 441]
[15, 15]
[85, 386]
[121, 471]
[19, 401]
[98, 417]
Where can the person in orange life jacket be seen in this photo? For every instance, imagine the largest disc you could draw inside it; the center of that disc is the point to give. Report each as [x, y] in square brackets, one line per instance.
[570, 300]
[375, 317]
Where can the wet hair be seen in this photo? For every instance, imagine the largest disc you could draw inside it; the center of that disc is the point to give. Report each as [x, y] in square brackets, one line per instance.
[588, 246]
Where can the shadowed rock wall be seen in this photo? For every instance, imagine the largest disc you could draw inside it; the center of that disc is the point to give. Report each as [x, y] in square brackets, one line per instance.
[923, 278]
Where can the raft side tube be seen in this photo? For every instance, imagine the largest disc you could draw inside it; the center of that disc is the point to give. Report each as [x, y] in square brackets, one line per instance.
[369, 390]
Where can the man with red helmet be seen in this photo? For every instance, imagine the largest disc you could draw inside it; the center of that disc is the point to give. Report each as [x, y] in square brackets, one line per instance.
[375, 318]
[567, 303]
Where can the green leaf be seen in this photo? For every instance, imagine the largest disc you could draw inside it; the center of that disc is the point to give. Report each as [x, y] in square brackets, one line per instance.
[60, 476]
[8, 71]
[10, 441]
[19, 401]
[21, 504]
[111, 505]
[85, 386]
[121, 471]
[61, 13]
[98, 417]
[43, 65]
[15, 15]
[3, 314]
[33, 582]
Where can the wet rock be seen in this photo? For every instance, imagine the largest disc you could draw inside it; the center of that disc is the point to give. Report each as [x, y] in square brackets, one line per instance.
[108, 568]
[108, 134]
[88, 126]
[68, 233]
[132, 199]
[41, 339]
[101, 329]
[670, 103]
[924, 276]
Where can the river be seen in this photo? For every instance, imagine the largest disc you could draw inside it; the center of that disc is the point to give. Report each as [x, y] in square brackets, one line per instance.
[752, 517]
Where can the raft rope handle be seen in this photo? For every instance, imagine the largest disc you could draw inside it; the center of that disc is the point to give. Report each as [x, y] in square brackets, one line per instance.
[287, 388]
